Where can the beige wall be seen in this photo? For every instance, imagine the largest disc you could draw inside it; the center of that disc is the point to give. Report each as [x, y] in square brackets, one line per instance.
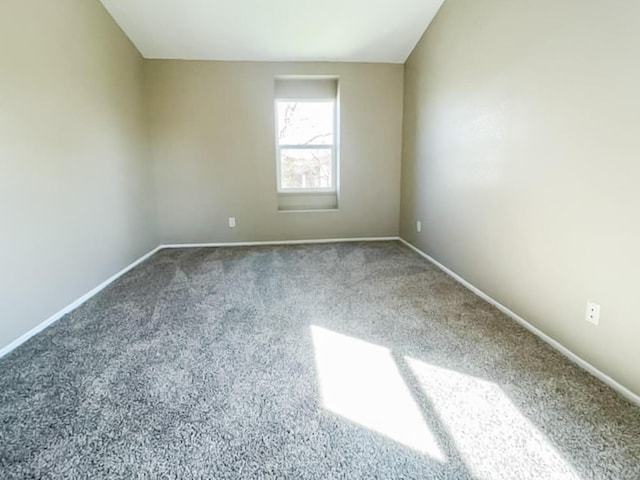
[213, 138]
[522, 159]
[75, 184]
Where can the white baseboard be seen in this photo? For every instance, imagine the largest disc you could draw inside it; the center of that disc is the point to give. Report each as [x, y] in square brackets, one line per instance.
[279, 242]
[72, 306]
[624, 391]
[58, 315]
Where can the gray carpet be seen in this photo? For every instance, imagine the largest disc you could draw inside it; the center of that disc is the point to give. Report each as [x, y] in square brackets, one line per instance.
[355, 360]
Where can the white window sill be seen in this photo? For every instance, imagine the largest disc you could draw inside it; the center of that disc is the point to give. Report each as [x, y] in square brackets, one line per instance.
[307, 201]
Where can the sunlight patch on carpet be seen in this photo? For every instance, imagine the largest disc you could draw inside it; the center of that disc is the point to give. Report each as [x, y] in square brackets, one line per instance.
[493, 438]
[360, 381]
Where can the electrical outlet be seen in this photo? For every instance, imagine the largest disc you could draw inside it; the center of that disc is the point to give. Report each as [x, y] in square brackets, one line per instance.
[593, 313]
[232, 222]
[418, 226]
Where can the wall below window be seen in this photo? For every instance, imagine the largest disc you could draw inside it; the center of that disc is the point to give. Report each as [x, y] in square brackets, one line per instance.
[213, 139]
[521, 159]
[76, 192]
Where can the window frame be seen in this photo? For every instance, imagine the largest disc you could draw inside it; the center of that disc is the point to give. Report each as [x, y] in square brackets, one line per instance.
[333, 147]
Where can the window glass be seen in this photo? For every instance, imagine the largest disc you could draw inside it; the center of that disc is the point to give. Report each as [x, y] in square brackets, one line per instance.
[305, 123]
[306, 144]
[306, 168]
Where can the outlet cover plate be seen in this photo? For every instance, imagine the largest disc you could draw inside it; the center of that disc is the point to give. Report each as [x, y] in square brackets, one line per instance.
[593, 313]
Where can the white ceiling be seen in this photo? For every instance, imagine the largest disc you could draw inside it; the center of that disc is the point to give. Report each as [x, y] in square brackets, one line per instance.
[275, 30]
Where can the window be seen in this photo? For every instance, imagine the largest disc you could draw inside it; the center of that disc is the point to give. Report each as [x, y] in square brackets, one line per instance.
[307, 146]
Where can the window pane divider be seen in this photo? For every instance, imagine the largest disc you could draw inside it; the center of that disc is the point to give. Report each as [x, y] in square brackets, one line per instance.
[304, 146]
